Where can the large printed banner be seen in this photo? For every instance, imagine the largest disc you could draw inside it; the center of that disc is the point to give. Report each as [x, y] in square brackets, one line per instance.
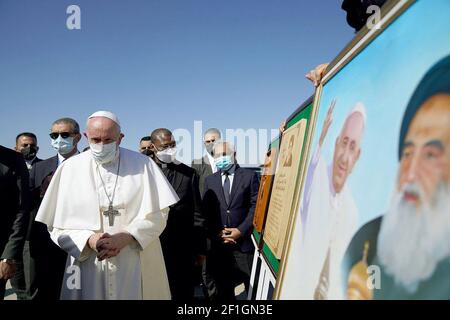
[374, 215]
[269, 219]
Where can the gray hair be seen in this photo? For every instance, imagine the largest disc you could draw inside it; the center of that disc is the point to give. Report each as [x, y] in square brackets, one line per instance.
[230, 146]
[70, 121]
[213, 131]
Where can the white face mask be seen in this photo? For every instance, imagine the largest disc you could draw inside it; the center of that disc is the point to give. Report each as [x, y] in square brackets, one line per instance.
[103, 153]
[167, 156]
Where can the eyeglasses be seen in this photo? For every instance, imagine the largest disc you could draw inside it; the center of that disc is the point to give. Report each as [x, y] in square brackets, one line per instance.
[64, 135]
[210, 141]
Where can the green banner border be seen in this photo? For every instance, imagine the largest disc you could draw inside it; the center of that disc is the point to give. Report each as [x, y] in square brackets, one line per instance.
[273, 262]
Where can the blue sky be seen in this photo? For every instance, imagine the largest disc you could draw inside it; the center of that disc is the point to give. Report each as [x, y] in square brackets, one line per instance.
[166, 63]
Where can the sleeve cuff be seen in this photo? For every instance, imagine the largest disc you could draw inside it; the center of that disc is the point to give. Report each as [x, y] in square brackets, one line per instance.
[85, 253]
[140, 243]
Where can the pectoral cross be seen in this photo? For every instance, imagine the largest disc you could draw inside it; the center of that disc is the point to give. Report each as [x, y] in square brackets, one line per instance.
[111, 213]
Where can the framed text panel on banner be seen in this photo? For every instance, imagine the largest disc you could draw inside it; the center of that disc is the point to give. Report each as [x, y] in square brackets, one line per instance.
[289, 164]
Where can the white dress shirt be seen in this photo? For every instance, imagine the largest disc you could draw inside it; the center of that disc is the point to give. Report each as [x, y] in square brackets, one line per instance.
[29, 163]
[61, 158]
[212, 163]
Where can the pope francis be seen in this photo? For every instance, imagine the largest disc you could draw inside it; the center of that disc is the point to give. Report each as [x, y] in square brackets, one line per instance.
[329, 213]
[106, 208]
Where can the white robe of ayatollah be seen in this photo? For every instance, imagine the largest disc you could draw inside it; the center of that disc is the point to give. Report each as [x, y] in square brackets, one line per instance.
[330, 223]
[72, 209]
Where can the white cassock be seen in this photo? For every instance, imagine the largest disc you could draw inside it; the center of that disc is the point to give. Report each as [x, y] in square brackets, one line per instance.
[72, 209]
[329, 222]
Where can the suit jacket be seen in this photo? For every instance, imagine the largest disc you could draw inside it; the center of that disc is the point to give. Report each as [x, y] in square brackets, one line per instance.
[238, 213]
[14, 211]
[35, 160]
[40, 242]
[50, 260]
[185, 220]
[203, 168]
[40, 177]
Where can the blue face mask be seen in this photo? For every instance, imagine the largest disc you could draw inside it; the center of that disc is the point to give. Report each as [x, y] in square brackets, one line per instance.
[223, 162]
[63, 145]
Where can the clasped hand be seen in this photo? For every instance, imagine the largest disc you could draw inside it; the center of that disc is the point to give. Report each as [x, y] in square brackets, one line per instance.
[7, 270]
[108, 246]
[230, 235]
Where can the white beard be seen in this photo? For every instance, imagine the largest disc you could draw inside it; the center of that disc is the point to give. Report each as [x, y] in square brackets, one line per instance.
[412, 241]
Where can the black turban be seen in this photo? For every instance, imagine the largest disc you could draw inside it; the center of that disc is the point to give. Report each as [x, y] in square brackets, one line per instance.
[435, 81]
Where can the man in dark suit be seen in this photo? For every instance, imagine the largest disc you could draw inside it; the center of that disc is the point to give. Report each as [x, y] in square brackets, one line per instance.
[229, 203]
[23, 280]
[49, 259]
[183, 240]
[26, 144]
[14, 212]
[205, 167]
[145, 146]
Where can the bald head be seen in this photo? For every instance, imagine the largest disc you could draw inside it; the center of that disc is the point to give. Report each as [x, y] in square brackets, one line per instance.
[162, 139]
[103, 130]
[161, 134]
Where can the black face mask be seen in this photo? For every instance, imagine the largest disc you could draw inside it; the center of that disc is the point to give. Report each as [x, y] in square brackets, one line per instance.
[147, 152]
[29, 153]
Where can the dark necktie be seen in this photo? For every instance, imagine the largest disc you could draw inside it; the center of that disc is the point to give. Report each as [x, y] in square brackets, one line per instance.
[226, 188]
